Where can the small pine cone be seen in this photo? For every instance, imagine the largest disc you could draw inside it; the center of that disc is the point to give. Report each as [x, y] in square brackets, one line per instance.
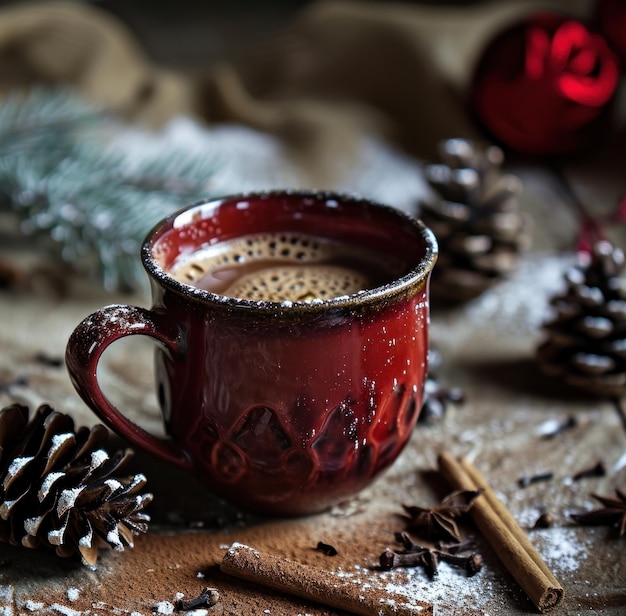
[586, 340]
[57, 487]
[475, 218]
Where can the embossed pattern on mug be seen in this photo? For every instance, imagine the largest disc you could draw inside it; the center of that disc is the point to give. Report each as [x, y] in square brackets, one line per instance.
[261, 450]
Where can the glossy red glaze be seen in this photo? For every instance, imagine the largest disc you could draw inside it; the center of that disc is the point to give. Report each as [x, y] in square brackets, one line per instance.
[281, 408]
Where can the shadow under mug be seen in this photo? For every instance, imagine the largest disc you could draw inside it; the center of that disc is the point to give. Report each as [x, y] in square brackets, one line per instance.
[279, 407]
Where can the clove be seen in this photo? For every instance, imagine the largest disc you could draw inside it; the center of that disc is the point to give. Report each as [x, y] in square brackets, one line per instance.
[596, 470]
[327, 549]
[419, 556]
[49, 361]
[545, 520]
[207, 598]
[424, 558]
[472, 563]
[524, 482]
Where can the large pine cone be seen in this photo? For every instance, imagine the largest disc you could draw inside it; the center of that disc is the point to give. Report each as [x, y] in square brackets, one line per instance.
[57, 486]
[475, 218]
[586, 340]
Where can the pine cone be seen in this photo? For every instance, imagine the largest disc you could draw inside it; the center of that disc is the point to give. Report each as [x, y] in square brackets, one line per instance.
[57, 488]
[475, 219]
[586, 341]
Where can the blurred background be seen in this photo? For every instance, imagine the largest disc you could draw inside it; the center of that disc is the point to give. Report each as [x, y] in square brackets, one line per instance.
[186, 100]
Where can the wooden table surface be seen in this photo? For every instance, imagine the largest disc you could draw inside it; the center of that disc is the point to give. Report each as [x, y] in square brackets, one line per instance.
[487, 349]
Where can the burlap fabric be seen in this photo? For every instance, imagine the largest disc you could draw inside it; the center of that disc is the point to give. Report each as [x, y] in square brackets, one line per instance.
[340, 70]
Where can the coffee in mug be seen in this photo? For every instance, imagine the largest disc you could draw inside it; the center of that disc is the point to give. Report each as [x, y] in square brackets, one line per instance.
[276, 267]
[292, 338]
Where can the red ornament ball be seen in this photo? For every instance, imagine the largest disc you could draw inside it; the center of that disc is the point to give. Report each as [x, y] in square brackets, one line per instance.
[611, 20]
[544, 85]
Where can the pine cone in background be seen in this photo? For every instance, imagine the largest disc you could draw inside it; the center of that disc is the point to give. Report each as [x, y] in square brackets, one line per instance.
[475, 218]
[57, 486]
[586, 340]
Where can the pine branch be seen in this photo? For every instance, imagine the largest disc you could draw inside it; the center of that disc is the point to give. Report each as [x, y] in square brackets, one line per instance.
[41, 118]
[79, 198]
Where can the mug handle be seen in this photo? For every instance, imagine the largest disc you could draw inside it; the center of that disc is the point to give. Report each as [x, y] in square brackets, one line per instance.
[84, 349]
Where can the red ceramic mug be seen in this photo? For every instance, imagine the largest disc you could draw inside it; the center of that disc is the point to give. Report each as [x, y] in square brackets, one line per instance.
[279, 407]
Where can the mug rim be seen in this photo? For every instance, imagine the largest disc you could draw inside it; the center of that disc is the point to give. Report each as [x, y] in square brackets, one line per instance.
[386, 293]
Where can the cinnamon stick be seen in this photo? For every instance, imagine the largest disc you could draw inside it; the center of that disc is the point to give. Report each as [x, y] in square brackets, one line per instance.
[317, 585]
[506, 538]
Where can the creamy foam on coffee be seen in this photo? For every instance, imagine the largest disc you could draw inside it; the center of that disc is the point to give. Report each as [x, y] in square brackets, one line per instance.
[282, 267]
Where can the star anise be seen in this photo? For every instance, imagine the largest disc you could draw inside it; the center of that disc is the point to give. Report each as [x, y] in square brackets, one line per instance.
[612, 514]
[439, 521]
